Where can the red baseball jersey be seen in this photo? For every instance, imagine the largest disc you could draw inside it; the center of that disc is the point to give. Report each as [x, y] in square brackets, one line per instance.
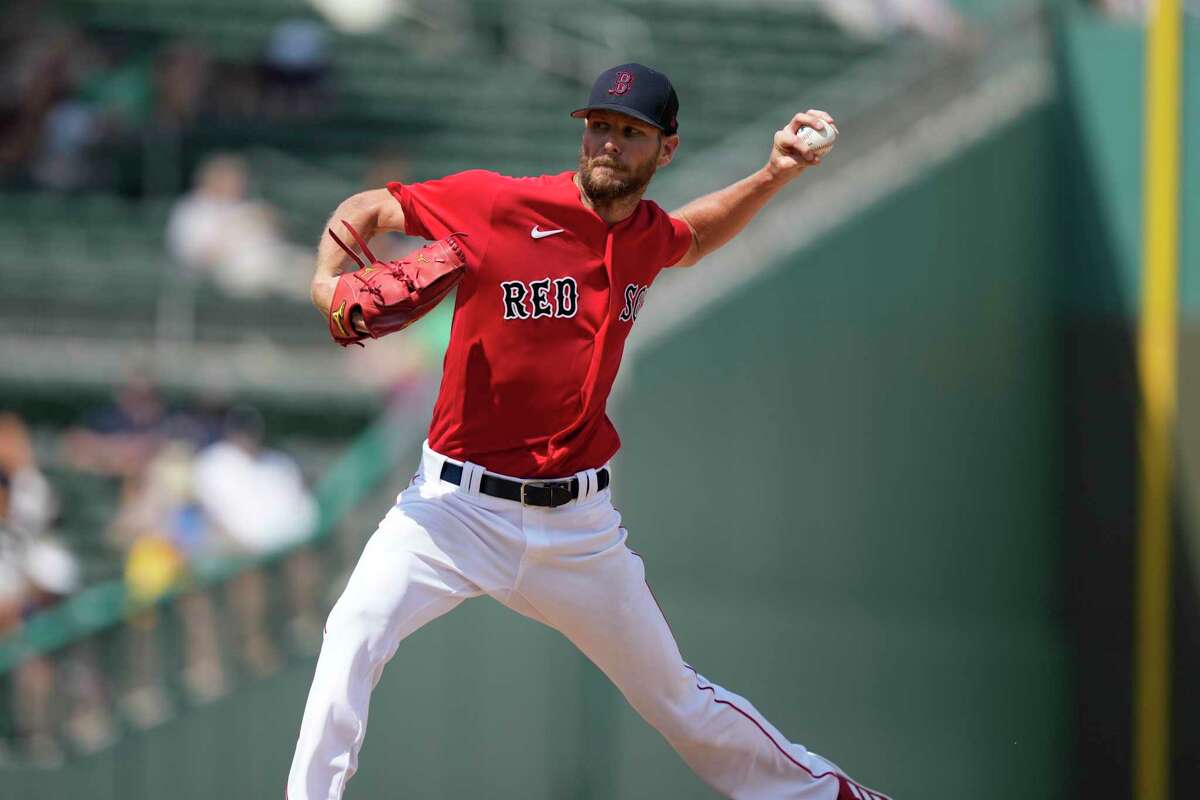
[540, 319]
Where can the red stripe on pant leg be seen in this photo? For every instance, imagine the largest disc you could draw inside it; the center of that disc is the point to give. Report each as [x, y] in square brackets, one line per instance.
[762, 730]
[771, 739]
[653, 596]
[714, 692]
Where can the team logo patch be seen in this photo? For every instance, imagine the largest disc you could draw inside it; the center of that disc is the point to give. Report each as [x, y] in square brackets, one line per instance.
[623, 83]
[548, 297]
[635, 298]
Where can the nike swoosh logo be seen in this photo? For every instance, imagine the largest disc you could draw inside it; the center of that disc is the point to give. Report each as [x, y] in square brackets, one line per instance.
[536, 233]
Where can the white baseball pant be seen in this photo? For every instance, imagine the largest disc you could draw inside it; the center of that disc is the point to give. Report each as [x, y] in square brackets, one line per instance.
[567, 567]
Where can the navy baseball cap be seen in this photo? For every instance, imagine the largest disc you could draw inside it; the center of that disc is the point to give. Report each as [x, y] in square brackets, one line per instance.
[637, 90]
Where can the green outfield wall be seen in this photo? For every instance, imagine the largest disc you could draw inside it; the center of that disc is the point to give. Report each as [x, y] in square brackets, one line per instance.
[855, 521]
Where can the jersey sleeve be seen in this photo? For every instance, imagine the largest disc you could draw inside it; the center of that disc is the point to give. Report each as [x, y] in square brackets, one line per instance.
[668, 238]
[679, 240]
[458, 203]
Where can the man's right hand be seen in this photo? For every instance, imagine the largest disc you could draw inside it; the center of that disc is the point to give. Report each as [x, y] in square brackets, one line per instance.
[392, 295]
[322, 298]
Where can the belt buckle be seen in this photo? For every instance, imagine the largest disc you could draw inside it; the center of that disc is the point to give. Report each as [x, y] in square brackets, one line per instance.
[549, 486]
[530, 483]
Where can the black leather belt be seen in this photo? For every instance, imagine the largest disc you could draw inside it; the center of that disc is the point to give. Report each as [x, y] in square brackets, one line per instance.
[546, 494]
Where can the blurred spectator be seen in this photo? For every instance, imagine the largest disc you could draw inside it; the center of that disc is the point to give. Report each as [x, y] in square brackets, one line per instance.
[218, 231]
[70, 129]
[51, 571]
[166, 540]
[120, 439]
[50, 574]
[28, 508]
[47, 569]
[12, 583]
[43, 567]
[31, 506]
[182, 75]
[257, 498]
[36, 572]
[152, 522]
[254, 495]
[39, 72]
[295, 68]
[12, 596]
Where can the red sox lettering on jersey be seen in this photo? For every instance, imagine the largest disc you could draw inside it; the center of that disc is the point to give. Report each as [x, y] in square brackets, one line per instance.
[541, 317]
[533, 300]
[635, 298]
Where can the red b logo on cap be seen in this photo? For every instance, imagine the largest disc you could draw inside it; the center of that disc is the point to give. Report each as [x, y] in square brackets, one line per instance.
[624, 81]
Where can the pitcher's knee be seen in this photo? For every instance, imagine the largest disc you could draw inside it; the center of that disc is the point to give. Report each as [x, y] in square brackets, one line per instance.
[357, 629]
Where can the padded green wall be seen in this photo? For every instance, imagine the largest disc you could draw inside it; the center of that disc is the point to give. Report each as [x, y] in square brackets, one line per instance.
[847, 489]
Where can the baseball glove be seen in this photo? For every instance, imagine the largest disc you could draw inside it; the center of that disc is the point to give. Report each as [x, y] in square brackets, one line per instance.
[394, 295]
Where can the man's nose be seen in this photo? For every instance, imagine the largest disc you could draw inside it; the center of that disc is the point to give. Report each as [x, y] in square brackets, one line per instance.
[611, 147]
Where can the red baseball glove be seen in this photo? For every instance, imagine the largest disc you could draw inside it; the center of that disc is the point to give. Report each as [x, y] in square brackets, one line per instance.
[394, 295]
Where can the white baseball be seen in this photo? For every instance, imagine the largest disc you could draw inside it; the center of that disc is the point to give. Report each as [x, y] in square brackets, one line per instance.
[819, 142]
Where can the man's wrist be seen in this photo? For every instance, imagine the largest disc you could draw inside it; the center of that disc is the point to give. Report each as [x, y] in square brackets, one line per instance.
[774, 177]
[321, 292]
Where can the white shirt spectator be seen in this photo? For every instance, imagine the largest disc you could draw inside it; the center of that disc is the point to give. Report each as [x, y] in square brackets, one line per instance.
[217, 230]
[257, 497]
[32, 505]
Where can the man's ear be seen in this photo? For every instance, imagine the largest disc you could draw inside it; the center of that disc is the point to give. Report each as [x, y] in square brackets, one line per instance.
[666, 150]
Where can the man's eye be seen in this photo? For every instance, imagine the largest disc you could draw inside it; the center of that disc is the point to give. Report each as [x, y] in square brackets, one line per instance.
[631, 132]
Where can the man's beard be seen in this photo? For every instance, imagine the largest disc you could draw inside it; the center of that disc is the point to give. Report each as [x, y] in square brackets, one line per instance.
[609, 186]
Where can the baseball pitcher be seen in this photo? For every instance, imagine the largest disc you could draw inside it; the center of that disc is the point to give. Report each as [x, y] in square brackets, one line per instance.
[512, 498]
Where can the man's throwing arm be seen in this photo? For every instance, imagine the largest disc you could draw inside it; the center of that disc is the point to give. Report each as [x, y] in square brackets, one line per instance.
[718, 217]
